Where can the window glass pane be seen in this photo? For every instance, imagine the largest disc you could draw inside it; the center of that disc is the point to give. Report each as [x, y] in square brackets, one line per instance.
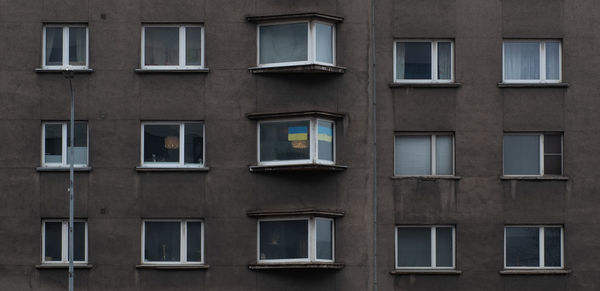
[325, 140]
[79, 241]
[283, 43]
[283, 239]
[193, 46]
[552, 247]
[53, 143]
[552, 60]
[161, 46]
[77, 46]
[413, 155]
[324, 35]
[194, 143]
[54, 46]
[552, 144]
[522, 247]
[324, 239]
[443, 247]
[552, 165]
[281, 141]
[414, 247]
[81, 149]
[53, 241]
[443, 155]
[161, 143]
[194, 241]
[413, 60]
[521, 154]
[521, 60]
[444, 60]
[162, 241]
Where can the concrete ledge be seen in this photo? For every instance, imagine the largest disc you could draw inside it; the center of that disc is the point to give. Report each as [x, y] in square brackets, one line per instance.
[59, 71]
[170, 71]
[182, 169]
[63, 169]
[331, 213]
[63, 266]
[174, 267]
[425, 272]
[310, 68]
[309, 15]
[307, 167]
[535, 272]
[328, 266]
[533, 85]
[535, 178]
[426, 177]
[309, 113]
[424, 85]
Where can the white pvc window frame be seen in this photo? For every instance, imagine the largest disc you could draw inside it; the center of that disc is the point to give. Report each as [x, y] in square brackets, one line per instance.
[541, 154]
[65, 47]
[181, 163]
[312, 240]
[182, 243]
[542, 55]
[434, 62]
[541, 247]
[65, 149]
[433, 152]
[313, 142]
[311, 44]
[182, 48]
[64, 241]
[433, 233]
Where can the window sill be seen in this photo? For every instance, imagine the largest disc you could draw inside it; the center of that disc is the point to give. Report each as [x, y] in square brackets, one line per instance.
[426, 177]
[311, 265]
[63, 169]
[63, 266]
[425, 272]
[535, 178]
[166, 169]
[533, 85]
[296, 212]
[535, 272]
[310, 68]
[302, 167]
[168, 71]
[55, 71]
[174, 267]
[424, 85]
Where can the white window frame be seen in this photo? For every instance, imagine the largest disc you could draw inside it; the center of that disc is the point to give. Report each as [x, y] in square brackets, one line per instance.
[311, 44]
[434, 62]
[541, 155]
[312, 240]
[433, 152]
[542, 54]
[182, 242]
[181, 163]
[65, 148]
[313, 142]
[541, 247]
[433, 234]
[64, 241]
[65, 46]
[182, 41]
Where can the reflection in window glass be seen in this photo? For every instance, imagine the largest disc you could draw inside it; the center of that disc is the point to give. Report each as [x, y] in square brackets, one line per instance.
[53, 241]
[521, 60]
[444, 247]
[281, 141]
[444, 60]
[80, 149]
[413, 60]
[522, 247]
[194, 241]
[283, 43]
[193, 46]
[161, 143]
[194, 143]
[413, 155]
[162, 241]
[325, 140]
[324, 42]
[521, 154]
[77, 46]
[54, 46]
[283, 239]
[324, 239]
[161, 46]
[552, 247]
[53, 143]
[553, 60]
[79, 241]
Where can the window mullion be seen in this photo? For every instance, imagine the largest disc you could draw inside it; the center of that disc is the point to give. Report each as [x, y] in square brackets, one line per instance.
[183, 242]
[433, 245]
[434, 61]
[542, 60]
[541, 154]
[433, 150]
[182, 46]
[541, 245]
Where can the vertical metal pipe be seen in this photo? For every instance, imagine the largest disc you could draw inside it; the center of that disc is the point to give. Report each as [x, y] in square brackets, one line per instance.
[374, 149]
[71, 184]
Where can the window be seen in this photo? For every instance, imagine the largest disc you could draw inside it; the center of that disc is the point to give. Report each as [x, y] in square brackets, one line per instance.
[55, 242]
[56, 144]
[172, 47]
[296, 43]
[299, 141]
[423, 61]
[533, 154]
[424, 247]
[424, 154]
[533, 247]
[532, 61]
[309, 239]
[65, 47]
[172, 242]
[173, 144]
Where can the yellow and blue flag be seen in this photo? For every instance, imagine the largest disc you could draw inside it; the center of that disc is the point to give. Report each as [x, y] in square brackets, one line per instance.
[297, 133]
[325, 134]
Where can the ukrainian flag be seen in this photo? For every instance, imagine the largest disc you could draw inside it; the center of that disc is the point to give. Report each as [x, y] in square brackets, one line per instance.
[325, 134]
[297, 133]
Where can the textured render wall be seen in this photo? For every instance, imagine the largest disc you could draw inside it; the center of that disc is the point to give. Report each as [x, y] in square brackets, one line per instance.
[480, 204]
[114, 99]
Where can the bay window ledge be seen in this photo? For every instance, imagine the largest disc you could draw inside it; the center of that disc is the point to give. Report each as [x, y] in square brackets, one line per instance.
[425, 272]
[533, 85]
[63, 169]
[169, 71]
[55, 71]
[307, 68]
[63, 266]
[174, 267]
[171, 169]
[299, 167]
[535, 272]
[310, 265]
[535, 178]
[424, 85]
[424, 177]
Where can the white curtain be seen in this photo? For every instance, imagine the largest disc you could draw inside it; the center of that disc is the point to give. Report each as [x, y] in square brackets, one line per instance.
[324, 39]
[193, 46]
[400, 60]
[552, 60]
[161, 46]
[413, 155]
[283, 43]
[77, 46]
[54, 36]
[444, 60]
[443, 154]
[521, 60]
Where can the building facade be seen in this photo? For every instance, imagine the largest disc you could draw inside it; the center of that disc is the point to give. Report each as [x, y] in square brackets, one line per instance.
[300, 145]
